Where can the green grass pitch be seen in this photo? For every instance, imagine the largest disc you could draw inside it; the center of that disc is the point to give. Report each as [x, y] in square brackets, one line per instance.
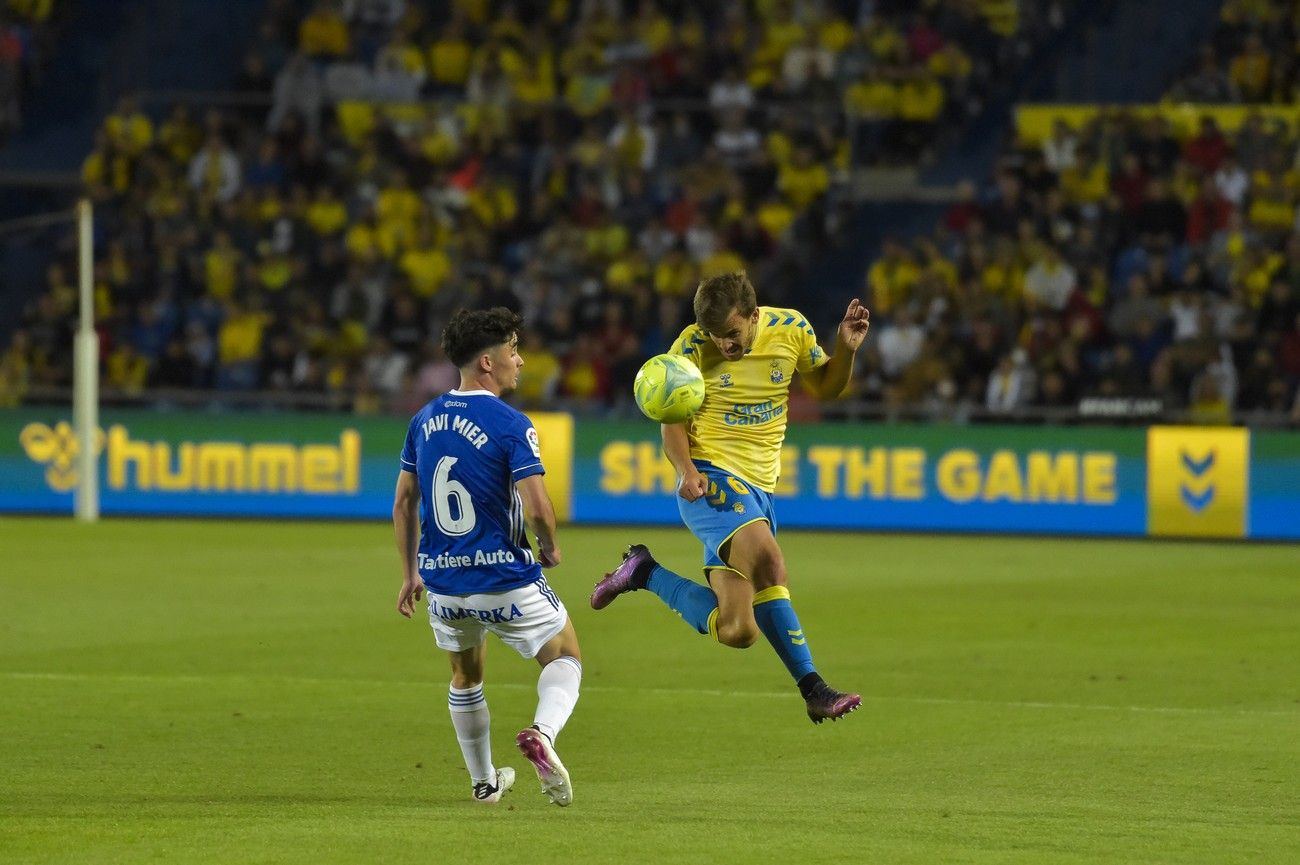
[179, 692]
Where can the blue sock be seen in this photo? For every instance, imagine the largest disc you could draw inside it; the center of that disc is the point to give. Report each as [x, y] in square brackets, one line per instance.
[778, 622]
[693, 602]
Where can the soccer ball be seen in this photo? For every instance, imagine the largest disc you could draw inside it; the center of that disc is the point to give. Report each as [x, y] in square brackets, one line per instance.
[669, 388]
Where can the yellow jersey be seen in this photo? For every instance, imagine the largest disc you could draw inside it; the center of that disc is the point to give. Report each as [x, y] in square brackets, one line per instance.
[741, 426]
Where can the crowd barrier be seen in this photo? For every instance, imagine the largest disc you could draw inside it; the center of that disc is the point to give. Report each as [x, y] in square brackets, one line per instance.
[1221, 482]
[1035, 121]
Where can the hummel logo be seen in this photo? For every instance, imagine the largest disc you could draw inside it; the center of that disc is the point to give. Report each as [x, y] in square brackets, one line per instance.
[1195, 498]
[57, 448]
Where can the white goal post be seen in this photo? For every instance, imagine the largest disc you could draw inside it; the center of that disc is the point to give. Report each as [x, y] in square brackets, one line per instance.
[85, 374]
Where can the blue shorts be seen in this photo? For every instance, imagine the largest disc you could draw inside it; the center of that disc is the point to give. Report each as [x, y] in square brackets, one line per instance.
[730, 504]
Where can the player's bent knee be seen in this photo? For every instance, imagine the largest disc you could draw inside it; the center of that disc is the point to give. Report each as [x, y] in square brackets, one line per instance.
[737, 636]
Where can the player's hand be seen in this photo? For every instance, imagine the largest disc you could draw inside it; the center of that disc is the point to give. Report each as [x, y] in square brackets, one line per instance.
[853, 329]
[411, 592]
[693, 485]
[548, 558]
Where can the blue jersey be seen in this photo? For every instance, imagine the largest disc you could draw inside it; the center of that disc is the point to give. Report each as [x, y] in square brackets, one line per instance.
[468, 448]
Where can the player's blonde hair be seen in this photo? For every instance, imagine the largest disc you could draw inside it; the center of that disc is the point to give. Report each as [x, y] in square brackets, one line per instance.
[717, 296]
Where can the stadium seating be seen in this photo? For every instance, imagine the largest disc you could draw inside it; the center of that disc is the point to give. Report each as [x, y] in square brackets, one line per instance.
[1150, 254]
[583, 167]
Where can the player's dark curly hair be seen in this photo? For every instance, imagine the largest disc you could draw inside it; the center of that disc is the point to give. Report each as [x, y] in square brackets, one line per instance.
[472, 331]
[717, 296]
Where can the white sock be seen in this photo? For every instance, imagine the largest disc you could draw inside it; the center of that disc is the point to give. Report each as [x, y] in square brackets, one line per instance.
[473, 723]
[557, 693]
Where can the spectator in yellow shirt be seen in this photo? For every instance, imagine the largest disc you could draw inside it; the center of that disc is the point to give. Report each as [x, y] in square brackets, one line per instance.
[891, 278]
[835, 33]
[874, 98]
[722, 260]
[1004, 276]
[274, 269]
[324, 33]
[783, 30]
[627, 273]
[397, 202]
[221, 266]
[402, 53]
[950, 63]
[426, 266]
[15, 370]
[588, 90]
[1252, 69]
[126, 370]
[33, 11]
[1272, 205]
[884, 41]
[675, 274]
[534, 83]
[1087, 182]
[921, 101]
[362, 238]
[450, 57]
[239, 345]
[129, 128]
[538, 388]
[106, 172]
[803, 181]
[870, 105]
[493, 201]
[1003, 16]
[653, 28]
[775, 216]
[180, 136]
[326, 215]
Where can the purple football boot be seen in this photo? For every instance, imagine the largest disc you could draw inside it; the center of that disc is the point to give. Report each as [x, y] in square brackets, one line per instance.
[627, 577]
[826, 702]
[534, 745]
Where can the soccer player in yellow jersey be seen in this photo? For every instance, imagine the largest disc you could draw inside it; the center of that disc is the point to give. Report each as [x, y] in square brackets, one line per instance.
[727, 458]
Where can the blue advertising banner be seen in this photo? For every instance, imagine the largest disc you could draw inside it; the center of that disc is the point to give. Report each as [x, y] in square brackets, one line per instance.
[1031, 479]
[1170, 481]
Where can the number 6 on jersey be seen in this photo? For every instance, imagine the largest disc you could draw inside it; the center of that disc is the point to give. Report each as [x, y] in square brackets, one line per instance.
[445, 490]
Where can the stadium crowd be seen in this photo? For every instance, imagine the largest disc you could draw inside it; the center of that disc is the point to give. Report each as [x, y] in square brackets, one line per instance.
[1250, 58]
[587, 167]
[25, 36]
[1132, 258]
[1115, 260]
[585, 163]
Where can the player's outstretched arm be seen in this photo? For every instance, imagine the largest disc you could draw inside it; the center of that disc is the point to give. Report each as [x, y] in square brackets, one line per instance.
[829, 380]
[406, 529]
[677, 447]
[540, 514]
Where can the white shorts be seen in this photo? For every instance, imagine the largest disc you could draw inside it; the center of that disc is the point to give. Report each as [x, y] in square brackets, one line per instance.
[525, 618]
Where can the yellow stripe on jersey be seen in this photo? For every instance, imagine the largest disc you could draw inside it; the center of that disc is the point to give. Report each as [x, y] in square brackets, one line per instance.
[741, 426]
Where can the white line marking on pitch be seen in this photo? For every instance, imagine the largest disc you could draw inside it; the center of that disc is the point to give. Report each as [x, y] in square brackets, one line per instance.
[708, 692]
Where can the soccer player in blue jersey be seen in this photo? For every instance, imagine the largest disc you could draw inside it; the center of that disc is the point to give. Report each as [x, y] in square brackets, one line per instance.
[470, 485]
[728, 457]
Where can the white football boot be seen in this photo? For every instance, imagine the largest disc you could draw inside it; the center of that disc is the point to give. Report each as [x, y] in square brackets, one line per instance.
[489, 793]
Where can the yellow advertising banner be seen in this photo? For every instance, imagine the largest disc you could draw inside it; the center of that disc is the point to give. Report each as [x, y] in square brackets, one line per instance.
[555, 438]
[1035, 122]
[1197, 481]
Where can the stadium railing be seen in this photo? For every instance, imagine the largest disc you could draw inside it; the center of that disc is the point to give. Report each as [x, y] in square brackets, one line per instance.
[1090, 411]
